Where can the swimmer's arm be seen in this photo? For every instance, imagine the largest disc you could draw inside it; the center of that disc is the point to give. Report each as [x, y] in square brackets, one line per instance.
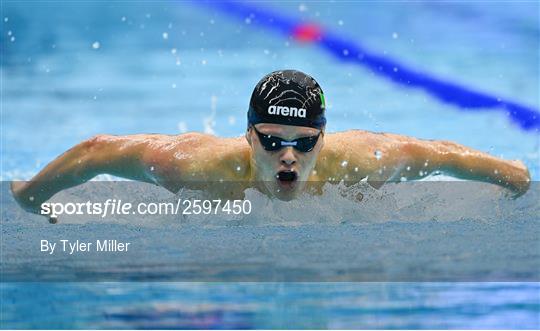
[102, 154]
[420, 158]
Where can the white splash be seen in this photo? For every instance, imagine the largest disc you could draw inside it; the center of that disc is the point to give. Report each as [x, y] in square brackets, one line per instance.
[182, 127]
[209, 122]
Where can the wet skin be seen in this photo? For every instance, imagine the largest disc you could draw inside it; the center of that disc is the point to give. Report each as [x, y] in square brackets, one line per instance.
[201, 161]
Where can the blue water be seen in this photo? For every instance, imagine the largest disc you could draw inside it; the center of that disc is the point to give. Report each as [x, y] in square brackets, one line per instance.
[73, 70]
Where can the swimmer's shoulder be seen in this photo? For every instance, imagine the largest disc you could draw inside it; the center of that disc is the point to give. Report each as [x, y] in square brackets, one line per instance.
[349, 141]
[361, 140]
[339, 148]
[213, 157]
[353, 152]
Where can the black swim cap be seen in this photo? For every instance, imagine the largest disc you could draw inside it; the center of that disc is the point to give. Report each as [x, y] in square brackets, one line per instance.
[287, 97]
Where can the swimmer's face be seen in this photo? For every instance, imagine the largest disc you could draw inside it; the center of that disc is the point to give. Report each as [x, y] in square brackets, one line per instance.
[284, 171]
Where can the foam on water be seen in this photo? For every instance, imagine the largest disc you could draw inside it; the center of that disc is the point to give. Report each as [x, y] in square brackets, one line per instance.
[438, 198]
[408, 231]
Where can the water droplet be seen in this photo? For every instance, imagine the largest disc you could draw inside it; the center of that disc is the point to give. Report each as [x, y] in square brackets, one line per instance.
[247, 20]
[395, 69]
[378, 154]
[395, 35]
[314, 172]
[421, 173]
[344, 164]
[238, 168]
[96, 45]
[6, 19]
[173, 85]
[79, 161]
[152, 168]
[203, 62]
[123, 18]
[345, 52]
[340, 22]
[380, 171]
[165, 35]
[302, 7]
[173, 51]
[9, 33]
[403, 179]
[355, 169]
[273, 144]
[426, 164]
[12, 39]
[408, 168]
[495, 171]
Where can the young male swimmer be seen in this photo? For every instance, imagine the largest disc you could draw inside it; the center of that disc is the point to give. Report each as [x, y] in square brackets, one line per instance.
[285, 150]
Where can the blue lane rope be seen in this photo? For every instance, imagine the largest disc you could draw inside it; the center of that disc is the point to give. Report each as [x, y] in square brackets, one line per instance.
[346, 50]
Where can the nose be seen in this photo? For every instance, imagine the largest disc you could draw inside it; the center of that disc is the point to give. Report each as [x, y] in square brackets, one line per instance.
[288, 158]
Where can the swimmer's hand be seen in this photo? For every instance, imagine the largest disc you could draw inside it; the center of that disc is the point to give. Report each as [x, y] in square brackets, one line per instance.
[28, 203]
[521, 180]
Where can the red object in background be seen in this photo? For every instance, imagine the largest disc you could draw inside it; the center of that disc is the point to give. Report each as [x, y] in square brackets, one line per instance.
[307, 32]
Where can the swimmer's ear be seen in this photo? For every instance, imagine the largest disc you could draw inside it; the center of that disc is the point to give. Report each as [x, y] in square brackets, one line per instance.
[248, 135]
[322, 136]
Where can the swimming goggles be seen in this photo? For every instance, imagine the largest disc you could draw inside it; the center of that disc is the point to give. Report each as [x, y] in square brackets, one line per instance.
[273, 143]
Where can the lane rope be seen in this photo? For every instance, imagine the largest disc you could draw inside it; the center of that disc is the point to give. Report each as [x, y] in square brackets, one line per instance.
[527, 118]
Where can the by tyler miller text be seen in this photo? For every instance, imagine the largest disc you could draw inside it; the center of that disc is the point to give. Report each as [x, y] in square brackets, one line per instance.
[79, 246]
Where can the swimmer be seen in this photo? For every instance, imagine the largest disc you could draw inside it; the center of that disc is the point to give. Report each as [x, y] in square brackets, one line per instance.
[284, 152]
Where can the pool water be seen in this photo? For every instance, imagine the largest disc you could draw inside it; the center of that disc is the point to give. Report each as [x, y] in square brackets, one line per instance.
[73, 70]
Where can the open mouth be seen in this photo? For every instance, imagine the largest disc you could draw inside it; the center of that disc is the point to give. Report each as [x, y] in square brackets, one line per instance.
[286, 179]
